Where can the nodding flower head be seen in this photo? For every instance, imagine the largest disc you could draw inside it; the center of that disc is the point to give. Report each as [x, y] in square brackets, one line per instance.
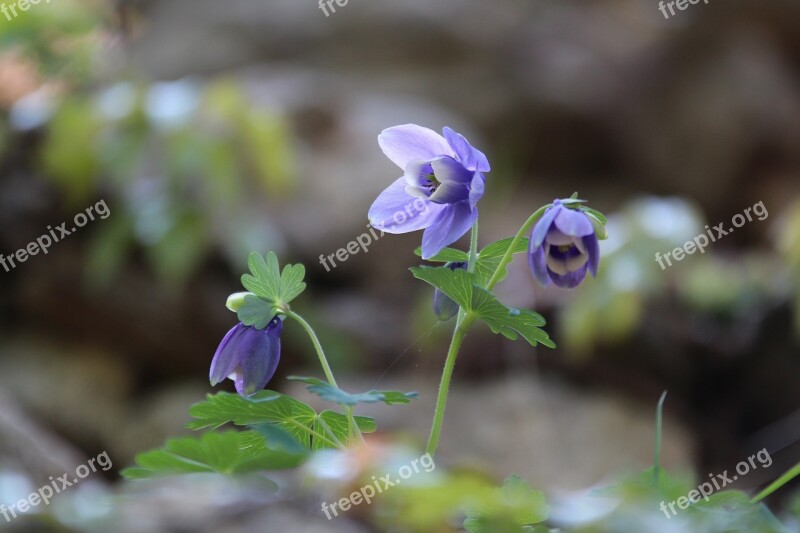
[563, 246]
[248, 356]
[440, 190]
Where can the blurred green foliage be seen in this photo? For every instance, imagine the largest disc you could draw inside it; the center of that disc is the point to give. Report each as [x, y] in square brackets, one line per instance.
[186, 166]
[729, 286]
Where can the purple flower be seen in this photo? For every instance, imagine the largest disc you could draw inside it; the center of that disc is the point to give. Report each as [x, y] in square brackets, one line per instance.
[563, 246]
[248, 356]
[443, 306]
[440, 190]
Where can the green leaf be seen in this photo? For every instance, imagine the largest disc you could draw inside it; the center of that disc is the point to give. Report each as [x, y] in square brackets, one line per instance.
[499, 248]
[272, 290]
[231, 452]
[460, 286]
[457, 284]
[595, 214]
[446, 255]
[331, 422]
[266, 280]
[509, 321]
[514, 507]
[489, 259]
[256, 312]
[269, 407]
[328, 392]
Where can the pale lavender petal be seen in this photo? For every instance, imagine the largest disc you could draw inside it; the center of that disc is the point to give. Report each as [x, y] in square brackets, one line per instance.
[573, 223]
[538, 264]
[476, 189]
[559, 239]
[469, 156]
[227, 356]
[593, 250]
[569, 280]
[448, 227]
[448, 169]
[450, 192]
[417, 174]
[567, 261]
[542, 227]
[395, 211]
[404, 144]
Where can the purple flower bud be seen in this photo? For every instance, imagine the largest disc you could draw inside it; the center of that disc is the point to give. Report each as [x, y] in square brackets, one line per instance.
[248, 356]
[563, 246]
[443, 306]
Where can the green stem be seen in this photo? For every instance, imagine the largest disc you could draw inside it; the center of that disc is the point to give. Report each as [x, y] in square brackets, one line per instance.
[526, 228]
[778, 483]
[353, 429]
[317, 346]
[657, 449]
[463, 323]
[444, 387]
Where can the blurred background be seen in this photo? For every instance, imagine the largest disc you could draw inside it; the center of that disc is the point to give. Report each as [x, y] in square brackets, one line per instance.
[210, 129]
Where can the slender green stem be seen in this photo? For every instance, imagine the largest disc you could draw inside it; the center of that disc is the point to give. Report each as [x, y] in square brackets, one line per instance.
[473, 248]
[657, 449]
[444, 387]
[352, 427]
[778, 483]
[317, 346]
[463, 323]
[526, 227]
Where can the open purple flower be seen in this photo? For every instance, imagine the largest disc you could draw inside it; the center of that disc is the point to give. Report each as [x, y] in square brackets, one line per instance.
[248, 356]
[563, 246]
[440, 190]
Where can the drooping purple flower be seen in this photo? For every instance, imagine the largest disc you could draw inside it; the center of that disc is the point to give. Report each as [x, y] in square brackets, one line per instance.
[440, 190]
[248, 356]
[563, 246]
[443, 306]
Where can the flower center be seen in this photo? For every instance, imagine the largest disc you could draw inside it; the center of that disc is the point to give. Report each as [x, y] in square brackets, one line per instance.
[431, 183]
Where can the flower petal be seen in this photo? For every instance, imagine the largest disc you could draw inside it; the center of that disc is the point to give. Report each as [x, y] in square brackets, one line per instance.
[563, 262]
[395, 211]
[476, 189]
[593, 250]
[469, 156]
[261, 352]
[537, 262]
[569, 280]
[557, 238]
[450, 192]
[573, 223]
[448, 169]
[226, 357]
[450, 225]
[407, 143]
[541, 229]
